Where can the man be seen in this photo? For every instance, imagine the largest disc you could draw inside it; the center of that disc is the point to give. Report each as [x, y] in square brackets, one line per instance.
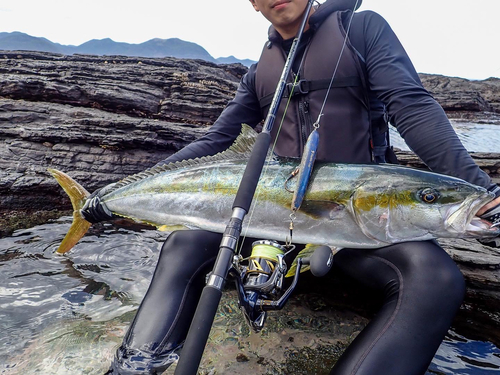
[422, 286]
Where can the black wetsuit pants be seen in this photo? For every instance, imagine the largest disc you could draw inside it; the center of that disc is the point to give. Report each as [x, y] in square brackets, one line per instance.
[421, 284]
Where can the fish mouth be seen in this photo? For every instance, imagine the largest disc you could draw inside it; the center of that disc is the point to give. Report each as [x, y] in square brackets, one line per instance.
[478, 225]
[462, 218]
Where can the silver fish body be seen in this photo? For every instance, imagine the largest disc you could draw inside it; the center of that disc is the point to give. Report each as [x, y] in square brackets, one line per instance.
[345, 205]
[359, 206]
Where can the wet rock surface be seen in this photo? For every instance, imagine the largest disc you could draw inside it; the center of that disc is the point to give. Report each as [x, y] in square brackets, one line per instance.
[103, 118]
[296, 340]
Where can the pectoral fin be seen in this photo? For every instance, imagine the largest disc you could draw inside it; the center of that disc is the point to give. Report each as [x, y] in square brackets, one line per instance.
[304, 253]
[171, 228]
[320, 209]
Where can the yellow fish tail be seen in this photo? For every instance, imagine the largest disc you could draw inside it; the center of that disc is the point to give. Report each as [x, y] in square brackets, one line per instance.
[78, 195]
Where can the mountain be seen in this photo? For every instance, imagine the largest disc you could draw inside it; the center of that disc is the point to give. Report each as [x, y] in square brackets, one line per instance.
[232, 60]
[20, 41]
[175, 47]
[172, 47]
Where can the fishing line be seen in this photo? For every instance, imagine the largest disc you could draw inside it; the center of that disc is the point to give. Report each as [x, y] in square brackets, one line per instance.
[266, 166]
[316, 125]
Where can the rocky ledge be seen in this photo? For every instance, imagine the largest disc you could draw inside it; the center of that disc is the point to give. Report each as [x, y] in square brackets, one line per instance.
[477, 101]
[103, 118]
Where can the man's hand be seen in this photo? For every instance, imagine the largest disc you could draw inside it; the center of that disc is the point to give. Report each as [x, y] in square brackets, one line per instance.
[487, 207]
[491, 212]
[94, 210]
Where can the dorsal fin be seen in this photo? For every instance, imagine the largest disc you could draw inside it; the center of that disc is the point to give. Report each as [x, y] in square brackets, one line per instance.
[239, 150]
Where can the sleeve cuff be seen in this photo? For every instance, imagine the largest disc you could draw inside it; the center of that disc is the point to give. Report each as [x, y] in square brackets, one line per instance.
[495, 189]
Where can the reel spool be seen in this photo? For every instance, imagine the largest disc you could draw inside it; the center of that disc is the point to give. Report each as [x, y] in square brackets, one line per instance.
[262, 263]
[260, 280]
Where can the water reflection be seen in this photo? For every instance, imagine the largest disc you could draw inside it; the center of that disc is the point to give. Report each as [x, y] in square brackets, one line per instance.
[67, 314]
[47, 299]
[460, 356]
[474, 137]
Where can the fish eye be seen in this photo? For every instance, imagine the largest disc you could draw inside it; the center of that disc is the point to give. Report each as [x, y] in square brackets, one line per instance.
[429, 195]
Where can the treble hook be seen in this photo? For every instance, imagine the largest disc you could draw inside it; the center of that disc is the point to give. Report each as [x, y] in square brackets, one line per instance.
[292, 175]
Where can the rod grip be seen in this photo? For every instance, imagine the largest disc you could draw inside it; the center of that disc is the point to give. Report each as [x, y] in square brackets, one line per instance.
[198, 332]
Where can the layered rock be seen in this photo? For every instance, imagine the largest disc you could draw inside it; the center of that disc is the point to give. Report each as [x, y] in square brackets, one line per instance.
[99, 118]
[462, 98]
[103, 118]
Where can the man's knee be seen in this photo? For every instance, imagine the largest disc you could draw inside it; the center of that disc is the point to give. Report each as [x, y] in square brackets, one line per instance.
[434, 272]
[191, 242]
[449, 282]
[195, 247]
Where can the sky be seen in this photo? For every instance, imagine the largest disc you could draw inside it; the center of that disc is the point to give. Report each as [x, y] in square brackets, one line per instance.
[450, 37]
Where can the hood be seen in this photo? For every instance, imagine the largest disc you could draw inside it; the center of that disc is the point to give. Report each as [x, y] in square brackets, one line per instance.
[322, 12]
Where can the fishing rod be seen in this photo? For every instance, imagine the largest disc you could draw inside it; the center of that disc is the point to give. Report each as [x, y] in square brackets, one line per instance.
[201, 325]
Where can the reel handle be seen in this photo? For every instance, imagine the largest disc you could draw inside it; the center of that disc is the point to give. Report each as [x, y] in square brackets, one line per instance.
[321, 261]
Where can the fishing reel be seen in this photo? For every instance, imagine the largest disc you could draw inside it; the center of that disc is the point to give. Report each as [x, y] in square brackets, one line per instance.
[259, 278]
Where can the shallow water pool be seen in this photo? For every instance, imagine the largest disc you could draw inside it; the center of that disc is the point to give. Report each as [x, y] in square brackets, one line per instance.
[67, 314]
[474, 137]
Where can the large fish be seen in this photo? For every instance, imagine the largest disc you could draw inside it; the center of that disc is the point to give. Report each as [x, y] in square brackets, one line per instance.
[346, 205]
